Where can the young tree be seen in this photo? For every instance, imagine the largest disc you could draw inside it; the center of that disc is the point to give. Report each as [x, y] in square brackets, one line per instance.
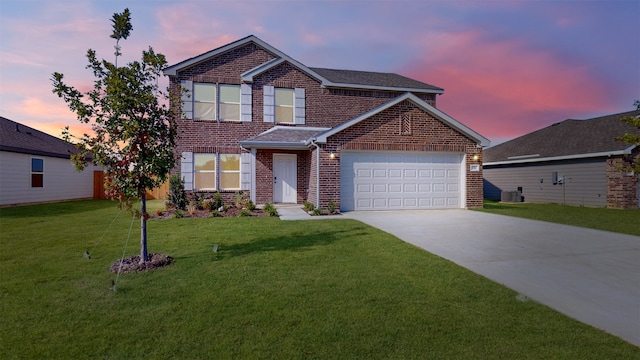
[633, 138]
[134, 129]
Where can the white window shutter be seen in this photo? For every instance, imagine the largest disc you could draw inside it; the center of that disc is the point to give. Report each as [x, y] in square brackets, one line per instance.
[269, 103]
[245, 102]
[299, 107]
[186, 170]
[187, 99]
[245, 171]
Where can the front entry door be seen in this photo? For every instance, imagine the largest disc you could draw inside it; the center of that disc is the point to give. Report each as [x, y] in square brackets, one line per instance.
[284, 178]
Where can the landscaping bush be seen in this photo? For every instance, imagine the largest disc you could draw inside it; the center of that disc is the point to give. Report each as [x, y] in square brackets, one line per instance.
[176, 192]
[308, 206]
[270, 210]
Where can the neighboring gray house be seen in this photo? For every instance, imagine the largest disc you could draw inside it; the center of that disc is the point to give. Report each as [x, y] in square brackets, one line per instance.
[574, 162]
[36, 167]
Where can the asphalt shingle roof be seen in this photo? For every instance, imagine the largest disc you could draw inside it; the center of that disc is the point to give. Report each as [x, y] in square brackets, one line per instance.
[372, 79]
[569, 137]
[294, 136]
[15, 137]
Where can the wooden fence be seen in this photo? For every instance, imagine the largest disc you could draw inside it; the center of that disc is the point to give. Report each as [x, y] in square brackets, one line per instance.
[159, 193]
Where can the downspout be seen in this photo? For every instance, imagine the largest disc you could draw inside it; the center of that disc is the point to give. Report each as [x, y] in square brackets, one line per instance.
[313, 142]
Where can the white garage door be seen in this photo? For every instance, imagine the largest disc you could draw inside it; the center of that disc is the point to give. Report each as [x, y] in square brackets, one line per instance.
[400, 180]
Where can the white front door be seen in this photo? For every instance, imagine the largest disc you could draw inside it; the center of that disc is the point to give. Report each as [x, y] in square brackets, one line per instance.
[284, 178]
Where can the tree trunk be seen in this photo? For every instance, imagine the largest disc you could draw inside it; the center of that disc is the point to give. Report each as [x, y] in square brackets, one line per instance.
[144, 255]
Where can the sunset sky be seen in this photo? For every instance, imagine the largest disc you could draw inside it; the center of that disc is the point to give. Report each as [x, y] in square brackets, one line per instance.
[508, 67]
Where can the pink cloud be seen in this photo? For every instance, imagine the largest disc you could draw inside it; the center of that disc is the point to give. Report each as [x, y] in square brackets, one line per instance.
[502, 88]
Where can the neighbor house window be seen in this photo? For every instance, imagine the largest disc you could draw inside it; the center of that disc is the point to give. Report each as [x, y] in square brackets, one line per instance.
[37, 173]
[204, 168]
[229, 102]
[204, 101]
[230, 171]
[284, 100]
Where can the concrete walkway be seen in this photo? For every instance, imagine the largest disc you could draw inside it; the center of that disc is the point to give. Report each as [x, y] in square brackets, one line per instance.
[590, 275]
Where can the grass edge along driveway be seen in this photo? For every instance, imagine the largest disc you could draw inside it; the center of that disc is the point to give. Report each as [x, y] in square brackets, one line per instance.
[623, 221]
[275, 289]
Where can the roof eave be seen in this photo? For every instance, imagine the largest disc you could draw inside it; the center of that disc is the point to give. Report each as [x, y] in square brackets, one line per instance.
[329, 84]
[563, 157]
[274, 145]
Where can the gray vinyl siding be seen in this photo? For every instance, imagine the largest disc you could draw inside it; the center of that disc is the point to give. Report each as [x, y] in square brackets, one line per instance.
[61, 181]
[585, 182]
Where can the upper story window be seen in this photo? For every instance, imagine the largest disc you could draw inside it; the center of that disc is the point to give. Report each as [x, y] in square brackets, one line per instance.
[229, 102]
[284, 105]
[37, 172]
[210, 101]
[204, 101]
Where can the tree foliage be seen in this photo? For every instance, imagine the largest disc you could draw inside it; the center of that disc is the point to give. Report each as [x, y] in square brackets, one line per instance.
[633, 138]
[134, 128]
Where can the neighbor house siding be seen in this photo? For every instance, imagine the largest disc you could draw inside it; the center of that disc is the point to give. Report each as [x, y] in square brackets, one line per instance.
[61, 181]
[585, 182]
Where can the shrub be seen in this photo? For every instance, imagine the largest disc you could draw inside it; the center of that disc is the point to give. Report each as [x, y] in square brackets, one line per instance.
[270, 210]
[332, 206]
[214, 213]
[207, 204]
[239, 200]
[249, 205]
[176, 192]
[317, 211]
[308, 206]
[244, 212]
[217, 201]
[191, 208]
[178, 214]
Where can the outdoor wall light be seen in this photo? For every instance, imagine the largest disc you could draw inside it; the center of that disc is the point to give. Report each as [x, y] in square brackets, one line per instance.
[332, 155]
[475, 157]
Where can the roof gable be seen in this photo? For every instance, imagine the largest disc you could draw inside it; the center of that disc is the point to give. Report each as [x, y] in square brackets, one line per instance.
[15, 137]
[479, 139]
[327, 77]
[565, 140]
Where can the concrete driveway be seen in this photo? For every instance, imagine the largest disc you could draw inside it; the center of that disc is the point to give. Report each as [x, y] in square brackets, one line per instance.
[590, 275]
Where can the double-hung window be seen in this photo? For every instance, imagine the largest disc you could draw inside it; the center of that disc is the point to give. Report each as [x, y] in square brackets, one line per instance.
[229, 102]
[204, 171]
[229, 171]
[204, 101]
[212, 101]
[284, 100]
[37, 173]
[283, 105]
[216, 171]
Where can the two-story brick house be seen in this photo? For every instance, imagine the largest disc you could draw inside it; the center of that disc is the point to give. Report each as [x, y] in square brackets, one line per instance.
[256, 120]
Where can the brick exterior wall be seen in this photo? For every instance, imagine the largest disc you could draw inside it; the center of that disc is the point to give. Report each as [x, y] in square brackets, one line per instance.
[383, 132]
[324, 108]
[622, 187]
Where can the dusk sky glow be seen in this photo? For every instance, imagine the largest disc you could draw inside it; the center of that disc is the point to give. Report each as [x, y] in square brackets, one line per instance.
[508, 67]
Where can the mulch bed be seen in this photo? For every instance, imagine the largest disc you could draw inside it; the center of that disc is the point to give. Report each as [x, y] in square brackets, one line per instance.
[132, 263]
[230, 212]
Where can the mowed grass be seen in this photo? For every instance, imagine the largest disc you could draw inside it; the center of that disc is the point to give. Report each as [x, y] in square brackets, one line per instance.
[625, 221]
[322, 289]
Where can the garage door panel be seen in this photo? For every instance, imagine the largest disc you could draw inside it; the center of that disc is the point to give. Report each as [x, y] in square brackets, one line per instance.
[395, 188]
[393, 180]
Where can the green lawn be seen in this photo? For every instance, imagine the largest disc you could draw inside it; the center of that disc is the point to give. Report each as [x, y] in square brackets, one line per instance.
[623, 221]
[325, 289]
